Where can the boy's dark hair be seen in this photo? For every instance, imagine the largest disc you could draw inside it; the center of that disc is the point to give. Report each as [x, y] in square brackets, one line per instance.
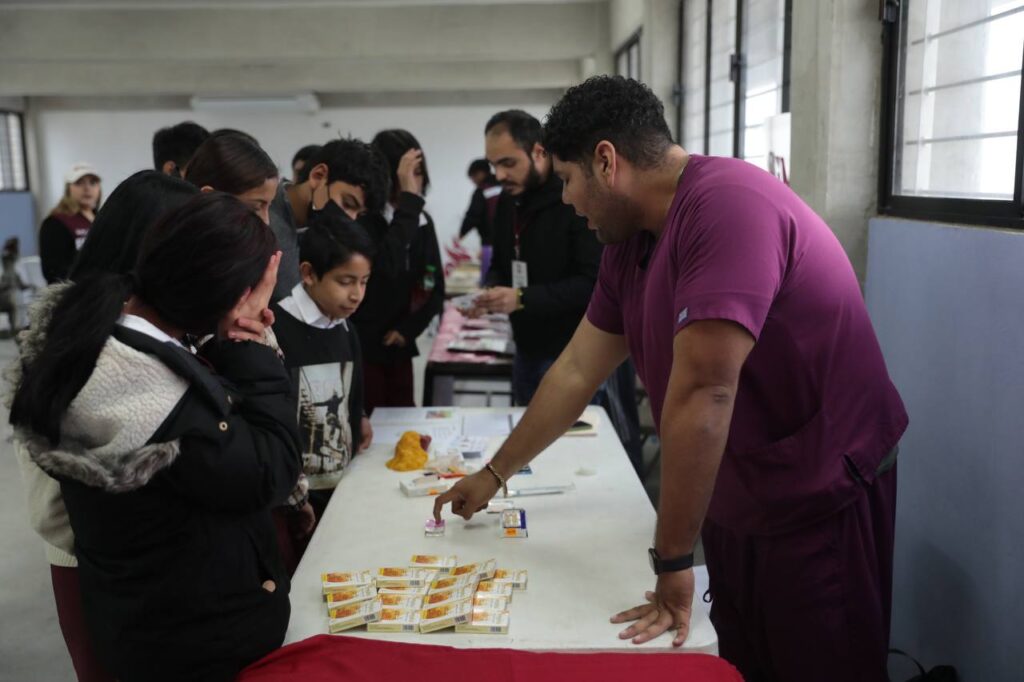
[331, 241]
[621, 110]
[192, 268]
[177, 143]
[525, 130]
[479, 166]
[230, 161]
[357, 163]
[393, 144]
[305, 155]
[132, 208]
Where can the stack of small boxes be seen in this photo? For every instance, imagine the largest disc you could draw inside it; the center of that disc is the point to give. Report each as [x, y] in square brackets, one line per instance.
[432, 593]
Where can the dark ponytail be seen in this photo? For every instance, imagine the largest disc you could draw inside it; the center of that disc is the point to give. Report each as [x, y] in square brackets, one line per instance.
[78, 327]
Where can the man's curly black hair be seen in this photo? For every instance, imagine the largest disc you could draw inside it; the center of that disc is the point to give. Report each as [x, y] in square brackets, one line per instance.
[357, 163]
[621, 110]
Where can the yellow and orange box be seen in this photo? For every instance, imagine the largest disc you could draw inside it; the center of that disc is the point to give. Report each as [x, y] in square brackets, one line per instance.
[404, 577]
[485, 622]
[396, 620]
[447, 596]
[401, 601]
[445, 616]
[490, 602]
[483, 570]
[354, 615]
[406, 591]
[433, 562]
[349, 595]
[336, 582]
[453, 582]
[516, 578]
[494, 589]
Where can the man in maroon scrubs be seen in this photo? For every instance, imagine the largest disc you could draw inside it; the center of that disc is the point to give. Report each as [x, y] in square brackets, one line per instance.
[777, 417]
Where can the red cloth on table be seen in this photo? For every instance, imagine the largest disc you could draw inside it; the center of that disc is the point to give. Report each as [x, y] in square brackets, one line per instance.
[353, 659]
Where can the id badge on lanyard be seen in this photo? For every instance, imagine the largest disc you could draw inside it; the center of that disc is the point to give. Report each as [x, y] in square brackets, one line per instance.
[520, 279]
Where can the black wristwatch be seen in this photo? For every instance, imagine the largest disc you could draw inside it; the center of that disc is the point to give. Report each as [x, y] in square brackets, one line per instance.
[679, 563]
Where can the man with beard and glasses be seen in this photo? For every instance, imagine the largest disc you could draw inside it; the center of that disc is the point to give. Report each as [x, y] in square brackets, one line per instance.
[545, 260]
[777, 417]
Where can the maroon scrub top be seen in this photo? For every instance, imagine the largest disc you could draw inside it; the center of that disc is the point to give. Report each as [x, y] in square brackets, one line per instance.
[815, 410]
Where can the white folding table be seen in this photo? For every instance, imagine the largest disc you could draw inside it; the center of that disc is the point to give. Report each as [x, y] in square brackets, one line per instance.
[586, 552]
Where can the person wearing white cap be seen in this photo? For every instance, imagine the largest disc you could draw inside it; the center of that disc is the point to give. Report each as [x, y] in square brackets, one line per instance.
[65, 229]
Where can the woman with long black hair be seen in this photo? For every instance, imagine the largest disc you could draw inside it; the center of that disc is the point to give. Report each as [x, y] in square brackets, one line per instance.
[169, 464]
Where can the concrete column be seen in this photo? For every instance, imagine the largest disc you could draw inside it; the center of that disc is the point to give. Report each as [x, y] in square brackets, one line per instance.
[835, 100]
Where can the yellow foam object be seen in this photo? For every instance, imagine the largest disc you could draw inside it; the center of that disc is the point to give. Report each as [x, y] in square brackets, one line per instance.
[409, 455]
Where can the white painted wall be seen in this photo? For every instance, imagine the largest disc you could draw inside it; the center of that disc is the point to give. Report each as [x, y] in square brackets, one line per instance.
[118, 143]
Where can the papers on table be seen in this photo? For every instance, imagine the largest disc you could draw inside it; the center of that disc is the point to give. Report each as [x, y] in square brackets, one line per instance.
[487, 425]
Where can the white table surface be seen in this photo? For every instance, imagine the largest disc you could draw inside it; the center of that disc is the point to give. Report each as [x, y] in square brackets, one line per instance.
[586, 552]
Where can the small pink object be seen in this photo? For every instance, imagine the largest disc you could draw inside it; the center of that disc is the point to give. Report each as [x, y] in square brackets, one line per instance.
[433, 528]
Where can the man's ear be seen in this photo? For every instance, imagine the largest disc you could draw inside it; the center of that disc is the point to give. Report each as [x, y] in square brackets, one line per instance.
[606, 161]
[318, 176]
[538, 153]
[170, 168]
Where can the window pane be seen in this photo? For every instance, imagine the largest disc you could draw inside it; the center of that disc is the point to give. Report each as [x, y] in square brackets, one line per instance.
[959, 99]
[764, 41]
[694, 66]
[13, 175]
[723, 45]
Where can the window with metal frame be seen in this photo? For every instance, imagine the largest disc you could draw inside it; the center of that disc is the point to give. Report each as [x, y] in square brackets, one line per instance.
[734, 74]
[693, 68]
[627, 58]
[13, 173]
[952, 117]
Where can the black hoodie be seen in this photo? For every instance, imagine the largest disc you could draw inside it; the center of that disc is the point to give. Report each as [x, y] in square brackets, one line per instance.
[562, 258]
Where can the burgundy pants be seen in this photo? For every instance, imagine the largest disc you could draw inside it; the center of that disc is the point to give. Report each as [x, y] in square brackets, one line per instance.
[813, 604]
[388, 385]
[68, 594]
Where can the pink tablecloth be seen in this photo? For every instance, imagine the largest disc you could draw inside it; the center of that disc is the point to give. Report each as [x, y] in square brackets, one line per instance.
[452, 322]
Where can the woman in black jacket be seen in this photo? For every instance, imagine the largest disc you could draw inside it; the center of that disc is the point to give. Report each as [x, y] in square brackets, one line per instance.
[168, 463]
[406, 291]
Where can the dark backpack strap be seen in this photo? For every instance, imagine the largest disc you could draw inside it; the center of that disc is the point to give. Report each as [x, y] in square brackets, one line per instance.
[899, 652]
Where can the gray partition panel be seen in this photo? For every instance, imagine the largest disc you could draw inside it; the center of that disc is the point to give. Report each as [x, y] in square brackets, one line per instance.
[948, 305]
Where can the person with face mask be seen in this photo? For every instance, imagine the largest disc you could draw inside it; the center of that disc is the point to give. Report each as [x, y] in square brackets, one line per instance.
[64, 231]
[545, 260]
[344, 178]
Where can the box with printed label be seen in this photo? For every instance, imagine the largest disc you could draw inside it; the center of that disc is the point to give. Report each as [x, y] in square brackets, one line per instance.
[451, 582]
[490, 602]
[354, 615]
[404, 577]
[401, 601]
[495, 589]
[432, 562]
[396, 620]
[516, 578]
[483, 571]
[485, 622]
[336, 582]
[447, 596]
[445, 616]
[349, 595]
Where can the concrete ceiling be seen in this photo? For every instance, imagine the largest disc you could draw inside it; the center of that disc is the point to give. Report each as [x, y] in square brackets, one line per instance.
[252, 47]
